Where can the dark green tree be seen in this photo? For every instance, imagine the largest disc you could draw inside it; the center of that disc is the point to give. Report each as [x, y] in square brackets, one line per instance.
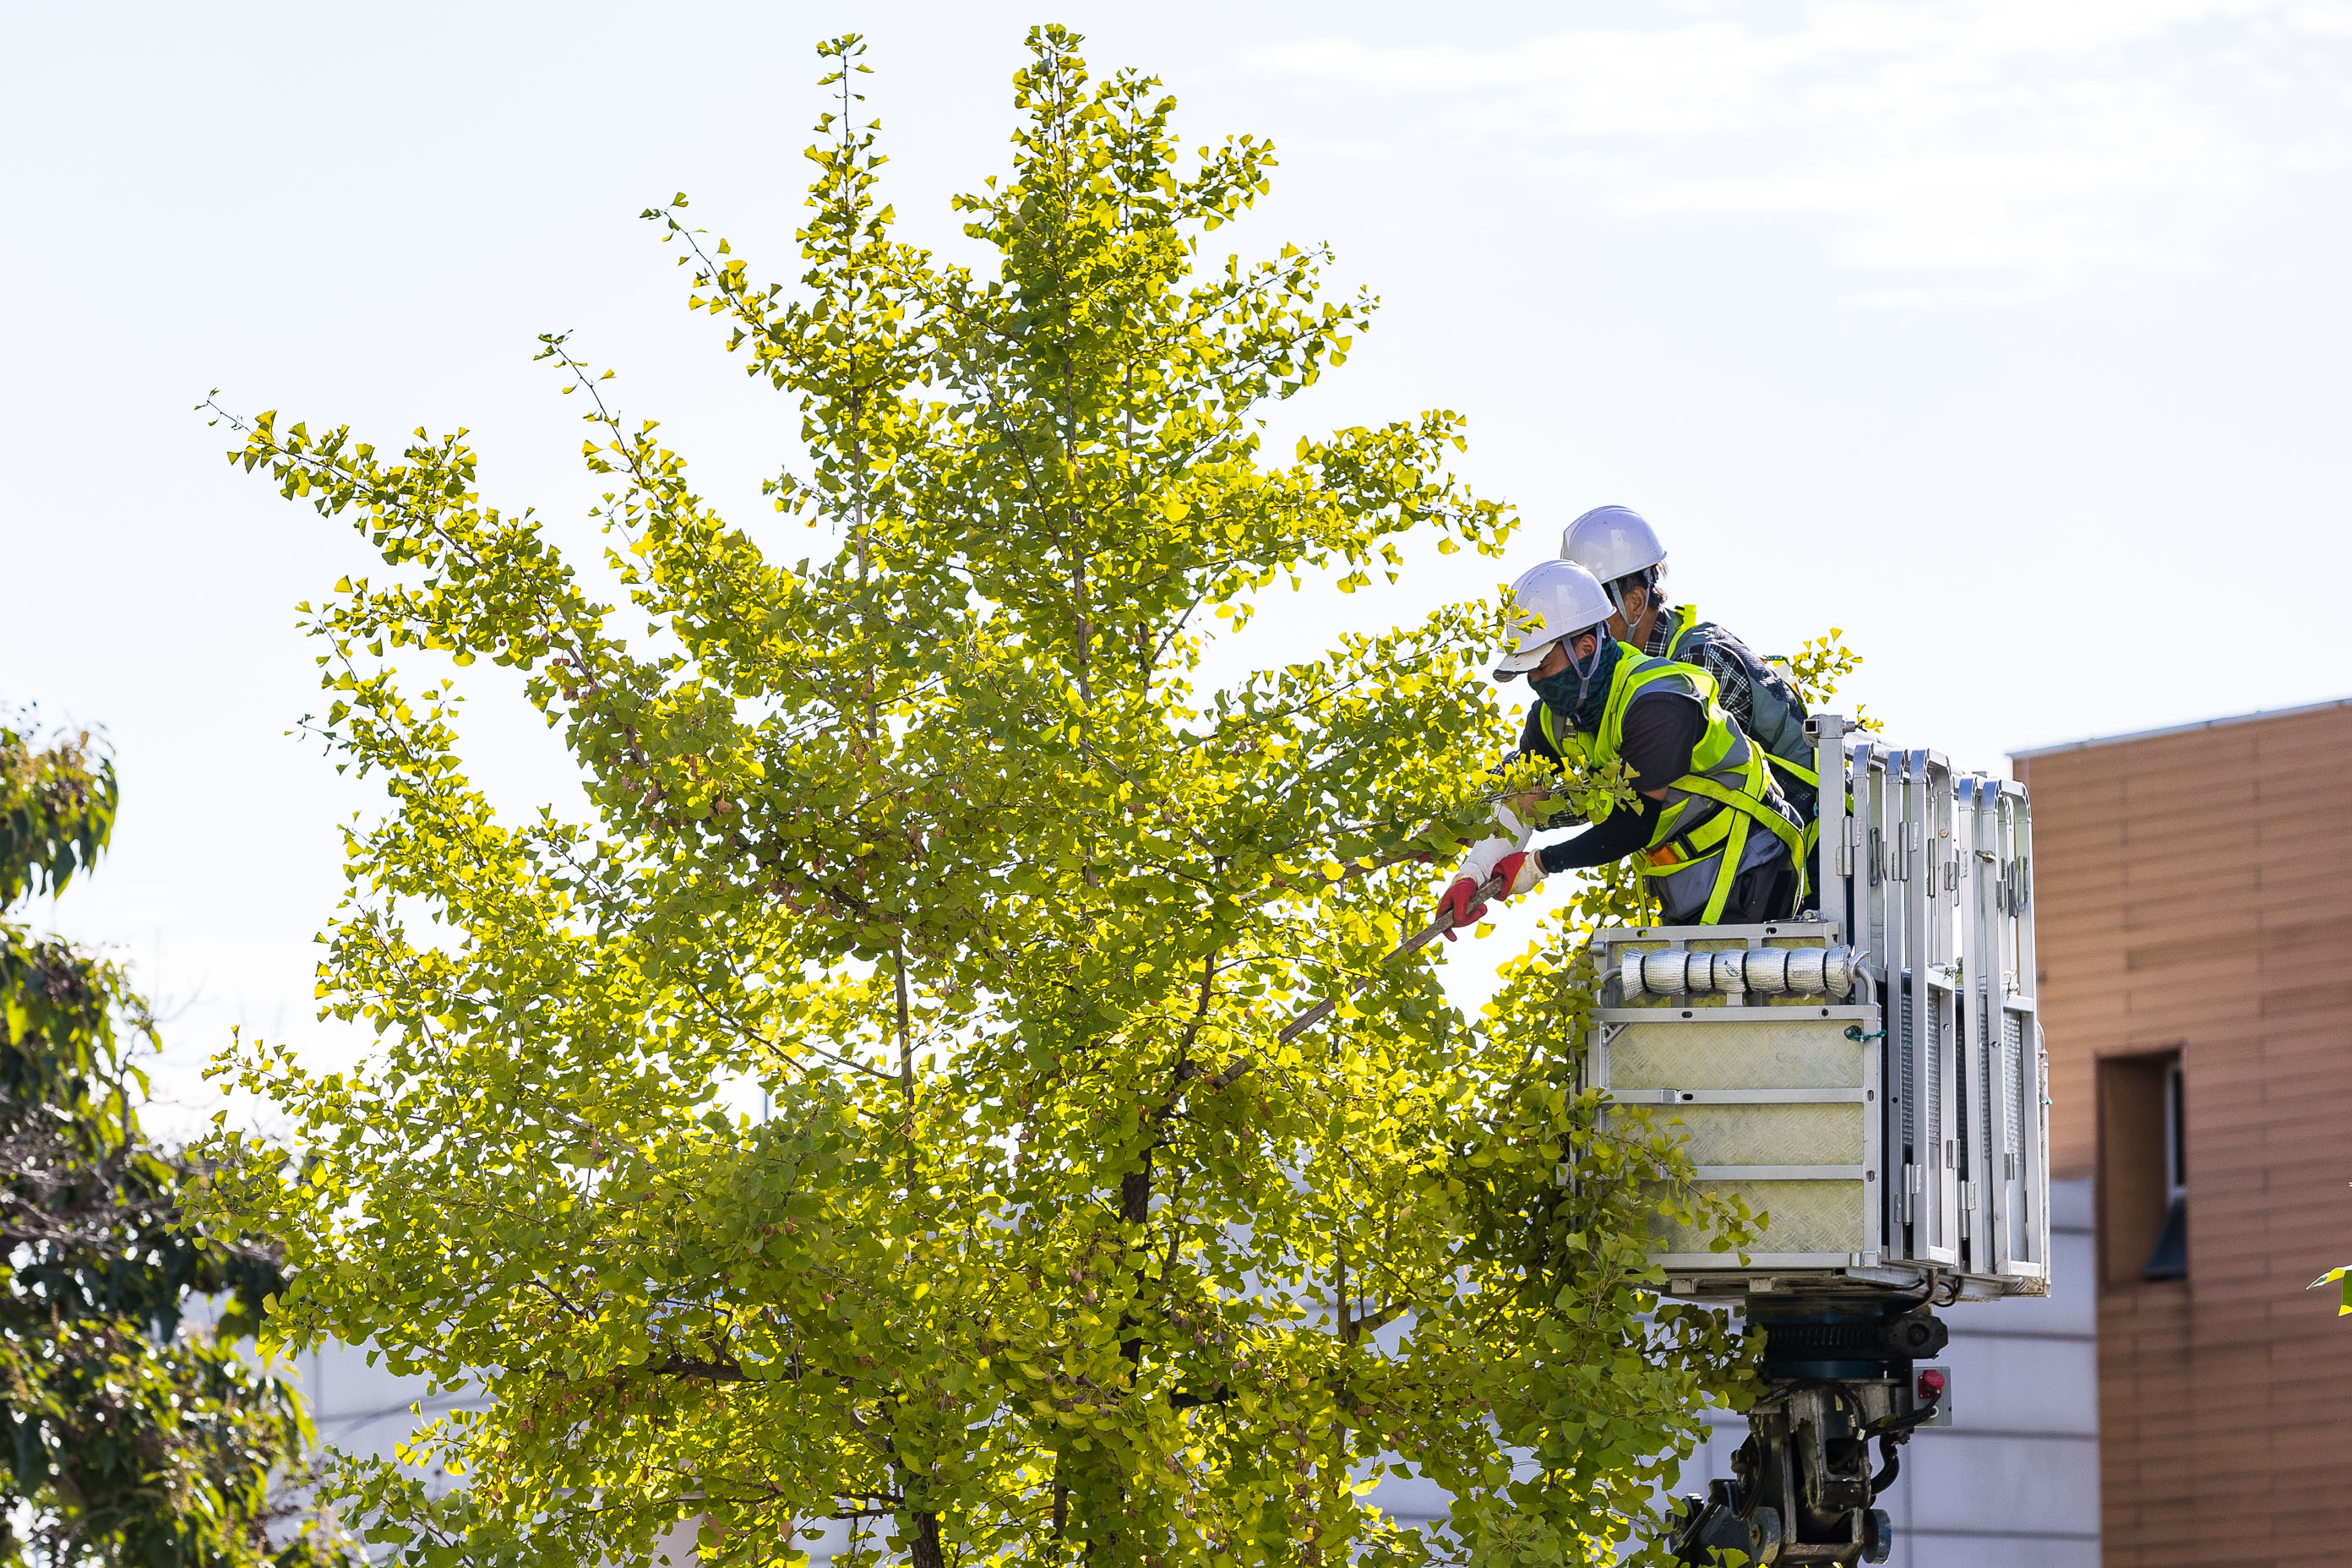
[128, 1437]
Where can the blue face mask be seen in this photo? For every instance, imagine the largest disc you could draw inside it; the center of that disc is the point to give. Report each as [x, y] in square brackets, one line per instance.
[1580, 696]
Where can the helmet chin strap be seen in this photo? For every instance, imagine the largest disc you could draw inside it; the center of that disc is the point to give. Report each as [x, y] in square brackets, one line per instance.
[1616, 593]
[1586, 667]
[1619, 597]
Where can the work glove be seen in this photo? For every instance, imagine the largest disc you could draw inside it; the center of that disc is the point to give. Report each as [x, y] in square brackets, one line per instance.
[1488, 858]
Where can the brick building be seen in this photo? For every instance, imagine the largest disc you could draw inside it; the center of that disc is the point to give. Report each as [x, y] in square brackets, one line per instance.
[2195, 920]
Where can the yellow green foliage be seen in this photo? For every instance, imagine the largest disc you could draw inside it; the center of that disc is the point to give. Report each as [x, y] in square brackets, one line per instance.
[869, 1116]
[1821, 667]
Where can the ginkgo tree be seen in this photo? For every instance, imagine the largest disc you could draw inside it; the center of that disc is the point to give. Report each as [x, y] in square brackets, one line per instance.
[864, 1112]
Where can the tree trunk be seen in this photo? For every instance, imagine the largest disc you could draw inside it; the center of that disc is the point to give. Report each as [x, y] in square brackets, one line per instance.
[924, 1551]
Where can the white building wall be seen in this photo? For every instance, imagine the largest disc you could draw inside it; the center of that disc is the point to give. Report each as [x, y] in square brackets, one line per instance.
[362, 1409]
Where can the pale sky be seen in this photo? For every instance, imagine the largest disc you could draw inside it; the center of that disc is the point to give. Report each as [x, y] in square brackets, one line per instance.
[2009, 337]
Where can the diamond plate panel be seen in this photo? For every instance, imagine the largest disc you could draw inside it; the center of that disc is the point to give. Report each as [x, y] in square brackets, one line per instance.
[1805, 1217]
[1793, 1054]
[2012, 1046]
[1909, 1050]
[1931, 1070]
[1771, 1134]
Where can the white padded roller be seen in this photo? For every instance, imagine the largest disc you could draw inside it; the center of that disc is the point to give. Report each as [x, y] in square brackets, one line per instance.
[1768, 971]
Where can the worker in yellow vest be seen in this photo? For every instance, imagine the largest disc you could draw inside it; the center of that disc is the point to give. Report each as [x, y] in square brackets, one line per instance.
[1709, 828]
[1617, 545]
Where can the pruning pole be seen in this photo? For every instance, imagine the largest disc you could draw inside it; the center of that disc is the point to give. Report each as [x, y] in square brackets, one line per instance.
[1354, 869]
[1492, 887]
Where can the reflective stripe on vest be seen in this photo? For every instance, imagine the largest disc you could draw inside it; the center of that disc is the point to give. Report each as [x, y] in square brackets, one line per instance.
[1727, 769]
[1685, 623]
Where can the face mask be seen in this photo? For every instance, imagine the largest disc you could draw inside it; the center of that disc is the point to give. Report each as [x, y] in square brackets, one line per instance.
[1570, 691]
[1560, 692]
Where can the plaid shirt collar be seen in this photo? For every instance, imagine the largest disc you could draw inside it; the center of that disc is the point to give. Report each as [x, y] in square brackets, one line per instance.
[1662, 633]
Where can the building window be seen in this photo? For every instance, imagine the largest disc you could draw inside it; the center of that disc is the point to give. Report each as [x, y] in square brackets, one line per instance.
[2168, 1258]
[2143, 1169]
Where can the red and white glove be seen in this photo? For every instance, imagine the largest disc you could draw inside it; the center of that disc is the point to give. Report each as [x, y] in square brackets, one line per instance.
[1488, 858]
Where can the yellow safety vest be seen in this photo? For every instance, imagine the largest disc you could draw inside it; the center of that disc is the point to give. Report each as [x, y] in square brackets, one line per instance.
[1727, 768]
[1686, 621]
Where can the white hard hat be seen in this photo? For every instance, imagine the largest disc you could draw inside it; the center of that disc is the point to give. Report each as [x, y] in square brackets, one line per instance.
[1611, 542]
[1551, 600]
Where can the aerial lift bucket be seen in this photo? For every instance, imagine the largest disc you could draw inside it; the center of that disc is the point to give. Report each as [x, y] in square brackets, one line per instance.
[1870, 1076]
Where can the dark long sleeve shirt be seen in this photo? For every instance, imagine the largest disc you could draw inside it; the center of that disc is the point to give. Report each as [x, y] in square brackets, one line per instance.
[1756, 697]
[1662, 729]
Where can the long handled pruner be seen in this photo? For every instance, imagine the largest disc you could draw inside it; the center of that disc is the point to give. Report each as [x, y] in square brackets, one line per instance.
[1492, 887]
